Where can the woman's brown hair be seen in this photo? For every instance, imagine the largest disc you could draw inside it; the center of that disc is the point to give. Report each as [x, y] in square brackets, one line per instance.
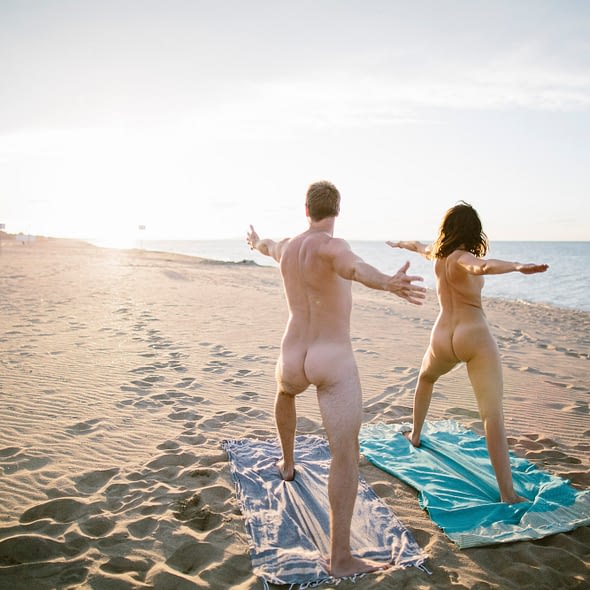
[460, 229]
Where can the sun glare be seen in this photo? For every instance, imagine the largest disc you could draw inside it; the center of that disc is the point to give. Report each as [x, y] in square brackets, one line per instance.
[118, 241]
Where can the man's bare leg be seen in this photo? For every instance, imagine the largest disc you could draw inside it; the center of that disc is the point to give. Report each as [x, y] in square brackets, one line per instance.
[341, 415]
[286, 422]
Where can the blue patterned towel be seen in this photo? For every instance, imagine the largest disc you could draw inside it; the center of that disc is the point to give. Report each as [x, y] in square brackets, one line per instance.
[452, 472]
[288, 522]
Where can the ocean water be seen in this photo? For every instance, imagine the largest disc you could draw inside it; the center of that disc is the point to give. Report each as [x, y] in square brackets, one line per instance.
[566, 284]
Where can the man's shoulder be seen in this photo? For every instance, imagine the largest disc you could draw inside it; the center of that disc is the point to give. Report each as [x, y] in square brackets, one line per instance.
[336, 245]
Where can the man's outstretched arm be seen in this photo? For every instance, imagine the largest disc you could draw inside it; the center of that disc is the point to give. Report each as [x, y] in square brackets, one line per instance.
[351, 266]
[266, 247]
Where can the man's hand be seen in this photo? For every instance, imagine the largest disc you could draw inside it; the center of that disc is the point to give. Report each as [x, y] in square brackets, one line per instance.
[402, 285]
[252, 238]
[266, 247]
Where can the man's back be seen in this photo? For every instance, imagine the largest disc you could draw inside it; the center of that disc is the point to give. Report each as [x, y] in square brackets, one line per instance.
[316, 345]
[319, 300]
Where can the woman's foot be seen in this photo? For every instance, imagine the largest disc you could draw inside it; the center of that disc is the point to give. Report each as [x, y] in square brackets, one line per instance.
[412, 437]
[514, 499]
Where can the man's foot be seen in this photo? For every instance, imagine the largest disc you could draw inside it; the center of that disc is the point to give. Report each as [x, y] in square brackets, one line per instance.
[287, 472]
[413, 438]
[354, 565]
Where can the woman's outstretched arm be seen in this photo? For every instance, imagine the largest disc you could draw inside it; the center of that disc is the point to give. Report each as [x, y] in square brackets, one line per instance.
[413, 246]
[491, 266]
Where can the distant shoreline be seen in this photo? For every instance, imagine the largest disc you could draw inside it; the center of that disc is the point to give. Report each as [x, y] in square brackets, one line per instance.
[565, 286]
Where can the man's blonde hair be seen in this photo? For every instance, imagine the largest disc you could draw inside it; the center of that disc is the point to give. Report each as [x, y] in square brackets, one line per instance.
[323, 200]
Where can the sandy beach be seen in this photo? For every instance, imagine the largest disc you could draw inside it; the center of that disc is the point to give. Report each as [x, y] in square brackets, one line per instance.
[121, 372]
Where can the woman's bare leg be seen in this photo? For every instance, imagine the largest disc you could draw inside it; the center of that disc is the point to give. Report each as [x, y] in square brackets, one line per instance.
[430, 371]
[485, 374]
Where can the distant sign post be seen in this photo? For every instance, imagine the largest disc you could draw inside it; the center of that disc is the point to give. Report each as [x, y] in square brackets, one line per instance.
[141, 228]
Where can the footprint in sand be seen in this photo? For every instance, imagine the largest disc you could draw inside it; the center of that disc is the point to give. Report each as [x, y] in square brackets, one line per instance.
[410, 372]
[153, 379]
[365, 351]
[165, 399]
[462, 412]
[124, 565]
[529, 445]
[215, 367]
[581, 407]
[251, 412]
[13, 459]
[247, 395]
[60, 510]
[224, 353]
[190, 438]
[159, 344]
[185, 382]
[232, 381]
[9, 452]
[33, 549]
[146, 404]
[85, 427]
[93, 481]
[144, 369]
[190, 558]
[204, 475]
[143, 528]
[195, 510]
[377, 407]
[254, 358]
[184, 414]
[549, 457]
[397, 412]
[97, 526]
[172, 459]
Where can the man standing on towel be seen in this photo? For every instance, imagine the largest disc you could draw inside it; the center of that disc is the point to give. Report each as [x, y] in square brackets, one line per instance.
[317, 270]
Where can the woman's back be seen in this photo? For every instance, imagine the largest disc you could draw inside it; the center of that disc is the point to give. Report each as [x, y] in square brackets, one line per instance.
[457, 289]
[461, 323]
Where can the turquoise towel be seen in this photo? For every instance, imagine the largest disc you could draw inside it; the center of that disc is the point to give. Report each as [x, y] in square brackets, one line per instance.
[453, 474]
[288, 522]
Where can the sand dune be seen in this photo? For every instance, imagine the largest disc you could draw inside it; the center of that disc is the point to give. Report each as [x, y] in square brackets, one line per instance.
[122, 371]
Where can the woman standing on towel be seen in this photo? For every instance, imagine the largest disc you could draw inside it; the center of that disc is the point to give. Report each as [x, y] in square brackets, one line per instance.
[461, 332]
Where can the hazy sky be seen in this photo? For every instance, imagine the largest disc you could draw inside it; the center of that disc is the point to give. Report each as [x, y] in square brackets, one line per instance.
[197, 118]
